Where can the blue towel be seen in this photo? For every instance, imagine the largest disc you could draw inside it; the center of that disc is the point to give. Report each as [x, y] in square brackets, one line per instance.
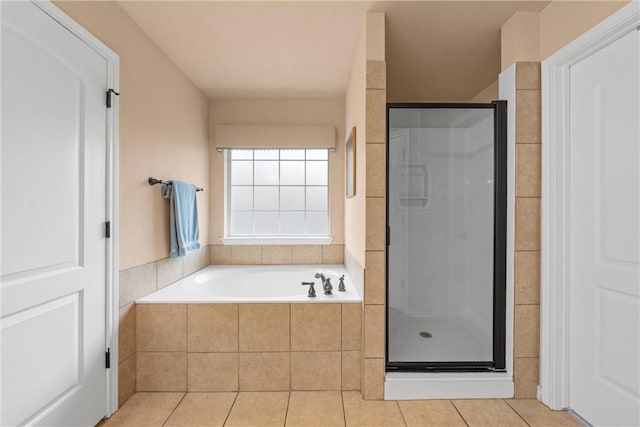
[184, 217]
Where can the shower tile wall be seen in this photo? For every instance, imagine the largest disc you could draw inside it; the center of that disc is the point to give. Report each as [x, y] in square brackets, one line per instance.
[135, 283]
[281, 254]
[375, 240]
[527, 245]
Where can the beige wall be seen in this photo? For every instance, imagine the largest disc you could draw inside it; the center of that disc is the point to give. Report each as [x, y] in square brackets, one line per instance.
[355, 115]
[285, 111]
[533, 36]
[488, 94]
[163, 131]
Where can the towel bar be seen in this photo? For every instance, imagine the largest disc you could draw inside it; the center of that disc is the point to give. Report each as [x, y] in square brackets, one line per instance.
[154, 181]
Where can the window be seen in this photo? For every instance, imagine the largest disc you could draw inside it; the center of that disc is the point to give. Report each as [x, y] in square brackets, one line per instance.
[278, 193]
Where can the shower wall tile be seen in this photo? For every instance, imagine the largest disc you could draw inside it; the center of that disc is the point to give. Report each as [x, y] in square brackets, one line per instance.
[161, 327]
[170, 270]
[374, 278]
[306, 254]
[376, 116]
[136, 282]
[161, 371]
[376, 235]
[352, 326]
[527, 331]
[126, 379]
[212, 327]
[212, 372]
[351, 370]
[527, 277]
[375, 173]
[316, 370]
[265, 371]
[333, 254]
[528, 75]
[376, 75]
[276, 254]
[316, 327]
[526, 374]
[528, 116]
[527, 224]
[220, 255]
[374, 330]
[373, 380]
[264, 327]
[126, 332]
[248, 254]
[528, 170]
[206, 256]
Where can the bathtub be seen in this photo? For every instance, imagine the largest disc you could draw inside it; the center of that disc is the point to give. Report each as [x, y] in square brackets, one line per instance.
[255, 284]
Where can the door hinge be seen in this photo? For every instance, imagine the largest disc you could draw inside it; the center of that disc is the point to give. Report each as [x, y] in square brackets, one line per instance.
[109, 92]
[107, 357]
[107, 229]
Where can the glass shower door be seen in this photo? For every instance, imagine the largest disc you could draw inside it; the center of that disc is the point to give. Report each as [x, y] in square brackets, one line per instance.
[446, 218]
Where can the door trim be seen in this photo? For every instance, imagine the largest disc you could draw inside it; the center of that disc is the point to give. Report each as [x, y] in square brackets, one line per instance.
[112, 208]
[553, 390]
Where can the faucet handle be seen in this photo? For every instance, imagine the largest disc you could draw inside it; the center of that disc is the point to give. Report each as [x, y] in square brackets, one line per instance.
[312, 290]
[341, 287]
[327, 286]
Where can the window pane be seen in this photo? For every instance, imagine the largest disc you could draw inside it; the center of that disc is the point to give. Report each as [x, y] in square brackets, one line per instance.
[292, 199]
[266, 154]
[291, 222]
[241, 154]
[241, 198]
[318, 154]
[292, 173]
[241, 173]
[317, 173]
[267, 222]
[317, 199]
[266, 173]
[291, 154]
[317, 223]
[241, 223]
[266, 198]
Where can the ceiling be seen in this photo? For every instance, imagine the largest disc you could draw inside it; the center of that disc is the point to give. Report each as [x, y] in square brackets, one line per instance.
[446, 50]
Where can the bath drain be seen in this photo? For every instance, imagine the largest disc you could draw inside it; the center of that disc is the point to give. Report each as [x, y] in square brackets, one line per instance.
[425, 334]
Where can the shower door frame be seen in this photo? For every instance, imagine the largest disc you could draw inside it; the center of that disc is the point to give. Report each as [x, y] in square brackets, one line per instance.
[498, 364]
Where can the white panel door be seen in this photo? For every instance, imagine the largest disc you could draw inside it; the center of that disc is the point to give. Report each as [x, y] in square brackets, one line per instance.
[604, 235]
[53, 211]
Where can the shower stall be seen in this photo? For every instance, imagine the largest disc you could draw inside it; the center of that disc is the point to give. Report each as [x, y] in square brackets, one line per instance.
[446, 237]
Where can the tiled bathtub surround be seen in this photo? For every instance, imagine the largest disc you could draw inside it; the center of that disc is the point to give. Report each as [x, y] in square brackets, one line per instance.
[248, 347]
[135, 283]
[276, 254]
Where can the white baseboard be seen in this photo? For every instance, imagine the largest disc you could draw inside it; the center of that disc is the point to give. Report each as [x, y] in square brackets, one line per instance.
[472, 385]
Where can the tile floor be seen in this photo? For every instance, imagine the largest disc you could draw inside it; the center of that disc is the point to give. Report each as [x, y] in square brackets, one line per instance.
[327, 408]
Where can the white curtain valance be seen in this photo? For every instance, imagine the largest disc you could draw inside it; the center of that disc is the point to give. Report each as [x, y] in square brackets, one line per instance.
[275, 136]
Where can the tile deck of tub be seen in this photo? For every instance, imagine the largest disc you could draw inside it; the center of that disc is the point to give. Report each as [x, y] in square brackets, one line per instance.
[327, 408]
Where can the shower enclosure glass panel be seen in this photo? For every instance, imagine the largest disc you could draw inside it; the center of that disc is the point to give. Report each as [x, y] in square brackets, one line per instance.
[446, 205]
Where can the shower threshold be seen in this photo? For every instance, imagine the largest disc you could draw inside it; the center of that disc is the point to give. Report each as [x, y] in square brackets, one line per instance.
[463, 385]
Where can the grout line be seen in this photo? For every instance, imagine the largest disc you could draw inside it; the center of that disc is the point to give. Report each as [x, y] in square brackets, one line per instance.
[286, 414]
[401, 413]
[517, 413]
[459, 413]
[231, 407]
[344, 411]
[176, 407]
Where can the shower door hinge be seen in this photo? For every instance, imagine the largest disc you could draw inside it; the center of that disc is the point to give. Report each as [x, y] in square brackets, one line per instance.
[107, 358]
[109, 92]
[107, 229]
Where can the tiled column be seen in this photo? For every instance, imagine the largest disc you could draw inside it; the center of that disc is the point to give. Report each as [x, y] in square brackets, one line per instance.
[527, 239]
[374, 277]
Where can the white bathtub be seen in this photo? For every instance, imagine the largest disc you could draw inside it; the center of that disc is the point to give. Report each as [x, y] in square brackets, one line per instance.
[255, 284]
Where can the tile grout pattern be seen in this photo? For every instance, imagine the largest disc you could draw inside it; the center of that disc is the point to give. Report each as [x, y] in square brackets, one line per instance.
[164, 408]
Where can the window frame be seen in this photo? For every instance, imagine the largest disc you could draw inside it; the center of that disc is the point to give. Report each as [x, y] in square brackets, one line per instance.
[302, 239]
